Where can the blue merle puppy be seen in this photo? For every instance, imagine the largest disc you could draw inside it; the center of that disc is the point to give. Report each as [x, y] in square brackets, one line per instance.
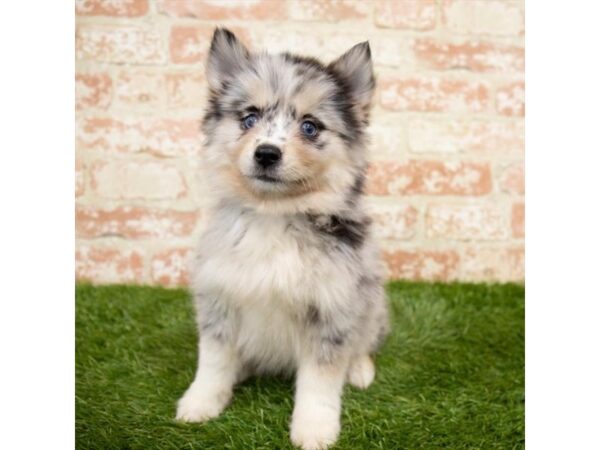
[287, 278]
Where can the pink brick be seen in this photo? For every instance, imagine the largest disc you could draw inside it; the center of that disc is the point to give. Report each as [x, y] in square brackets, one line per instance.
[510, 99]
[161, 137]
[406, 14]
[429, 178]
[137, 180]
[486, 17]
[473, 55]
[486, 221]
[120, 44]
[518, 220]
[79, 178]
[108, 265]
[140, 89]
[114, 8]
[224, 9]
[465, 135]
[134, 222]
[171, 267]
[433, 93]
[328, 10]
[92, 90]
[394, 221]
[421, 264]
[512, 179]
[189, 44]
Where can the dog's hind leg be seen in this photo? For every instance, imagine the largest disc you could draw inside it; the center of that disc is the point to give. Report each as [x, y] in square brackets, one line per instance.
[361, 371]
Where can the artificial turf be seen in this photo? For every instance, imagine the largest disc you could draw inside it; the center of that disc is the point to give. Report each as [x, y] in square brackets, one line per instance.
[451, 375]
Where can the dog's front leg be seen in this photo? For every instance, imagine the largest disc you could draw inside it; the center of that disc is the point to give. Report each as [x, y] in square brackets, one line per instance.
[218, 366]
[316, 417]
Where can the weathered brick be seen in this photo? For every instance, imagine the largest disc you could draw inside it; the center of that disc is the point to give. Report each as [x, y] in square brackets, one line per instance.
[498, 263]
[120, 44]
[137, 180]
[430, 178]
[394, 221]
[278, 40]
[465, 135]
[328, 10]
[386, 50]
[224, 9]
[433, 93]
[79, 178]
[108, 265]
[93, 90]
[140, 89]
[510, 99]
[486, 221]
[406, 14]
[473, 55]
[518, 220]
[512, 179]
[186, 90]
[189, 44]
[488, 17]
[162, 137]
[388, 137]
[171, 267]
[114, 8]
[134, 222]
[421, 264]
[515, 257]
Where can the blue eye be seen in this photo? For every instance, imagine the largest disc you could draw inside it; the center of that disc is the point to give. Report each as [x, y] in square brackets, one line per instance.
[309, 128]
[249, 121]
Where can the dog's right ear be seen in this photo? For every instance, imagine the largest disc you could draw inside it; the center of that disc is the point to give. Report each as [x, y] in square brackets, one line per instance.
[226, 57]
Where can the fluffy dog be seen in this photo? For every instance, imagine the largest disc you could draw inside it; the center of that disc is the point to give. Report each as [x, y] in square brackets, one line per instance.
[286, 277]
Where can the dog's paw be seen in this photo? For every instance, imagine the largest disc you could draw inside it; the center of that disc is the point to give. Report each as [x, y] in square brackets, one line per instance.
[198, 407]
[314, 433]
[361, 372]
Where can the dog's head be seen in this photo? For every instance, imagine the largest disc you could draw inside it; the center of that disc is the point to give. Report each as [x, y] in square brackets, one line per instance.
[286, 133]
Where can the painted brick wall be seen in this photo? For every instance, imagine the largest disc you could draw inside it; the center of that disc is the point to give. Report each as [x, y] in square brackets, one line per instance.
[446, 184]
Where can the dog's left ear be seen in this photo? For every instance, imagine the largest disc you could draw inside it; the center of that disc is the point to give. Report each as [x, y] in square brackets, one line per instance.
[356, 69]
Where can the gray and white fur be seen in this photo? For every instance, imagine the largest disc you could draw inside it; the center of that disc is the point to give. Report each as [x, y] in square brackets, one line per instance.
[286, 278]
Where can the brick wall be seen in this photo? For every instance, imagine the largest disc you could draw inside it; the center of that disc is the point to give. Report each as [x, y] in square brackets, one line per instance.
[446, 184]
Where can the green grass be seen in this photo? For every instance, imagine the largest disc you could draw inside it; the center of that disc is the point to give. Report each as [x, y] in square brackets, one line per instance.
[450, 375]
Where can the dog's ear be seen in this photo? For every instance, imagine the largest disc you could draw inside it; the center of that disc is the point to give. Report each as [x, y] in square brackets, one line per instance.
[356, 69]
[226, 57]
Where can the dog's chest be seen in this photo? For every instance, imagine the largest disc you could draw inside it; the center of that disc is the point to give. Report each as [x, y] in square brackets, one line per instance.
[258, 260]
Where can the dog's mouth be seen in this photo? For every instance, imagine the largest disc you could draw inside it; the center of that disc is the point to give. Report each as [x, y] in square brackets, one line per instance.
[272, 184]
[268, 179]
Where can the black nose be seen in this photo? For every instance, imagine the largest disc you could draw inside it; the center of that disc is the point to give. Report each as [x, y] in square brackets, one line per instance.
[267, 155]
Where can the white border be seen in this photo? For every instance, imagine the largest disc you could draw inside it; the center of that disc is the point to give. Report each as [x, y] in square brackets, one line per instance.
[563, 225]
[37, 225]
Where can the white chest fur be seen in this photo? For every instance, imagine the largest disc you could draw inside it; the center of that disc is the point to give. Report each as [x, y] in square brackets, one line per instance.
[269, 270]
[257, 259]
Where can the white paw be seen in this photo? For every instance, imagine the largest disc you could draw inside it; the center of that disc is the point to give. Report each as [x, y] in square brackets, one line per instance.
[198, 406]
[314, 433]
[361, 372]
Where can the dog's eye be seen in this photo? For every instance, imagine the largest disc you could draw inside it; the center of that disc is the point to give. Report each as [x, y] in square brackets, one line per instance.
[309, 128]
[249, 121]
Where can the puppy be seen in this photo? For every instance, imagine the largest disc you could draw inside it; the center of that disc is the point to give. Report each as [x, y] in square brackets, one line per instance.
[286, 277]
